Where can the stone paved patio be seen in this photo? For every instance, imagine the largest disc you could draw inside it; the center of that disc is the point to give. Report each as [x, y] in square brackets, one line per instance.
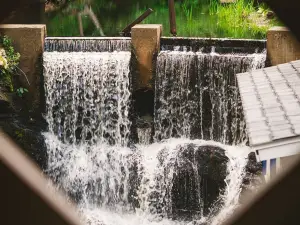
[271, 102]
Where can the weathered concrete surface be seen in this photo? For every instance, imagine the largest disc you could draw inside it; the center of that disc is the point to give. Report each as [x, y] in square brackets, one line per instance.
[282, 46]
[146, 44]
[28, 40]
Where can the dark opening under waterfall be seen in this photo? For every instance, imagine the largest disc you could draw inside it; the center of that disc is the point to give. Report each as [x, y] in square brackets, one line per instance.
[194, 170]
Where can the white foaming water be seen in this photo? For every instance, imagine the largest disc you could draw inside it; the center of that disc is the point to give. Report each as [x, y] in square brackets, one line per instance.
[144, 135]
[88, 101]
[197, 95]
[101, 176]
[87, 96]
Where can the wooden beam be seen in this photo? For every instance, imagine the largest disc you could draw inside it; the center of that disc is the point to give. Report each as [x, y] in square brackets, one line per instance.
[26, 195]
[276, 204]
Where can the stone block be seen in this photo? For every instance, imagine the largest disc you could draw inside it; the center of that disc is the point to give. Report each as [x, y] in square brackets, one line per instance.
[282, 46]
[146, 45]
[28, 40]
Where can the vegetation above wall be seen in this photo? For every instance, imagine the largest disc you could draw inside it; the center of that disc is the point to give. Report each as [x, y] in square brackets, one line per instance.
[198, 18]
[9, 60]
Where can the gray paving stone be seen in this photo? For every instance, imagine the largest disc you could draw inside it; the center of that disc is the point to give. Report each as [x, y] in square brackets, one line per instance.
[272, 110]
[260, 133]
[265, 91]
[272, 68]
[254, 113]
[283, 134]
[252, 106]
[257, 73]
[280, 86]
[274, 114]
[256, 140]
[291, 109]
[296, 64]
[280, 127]
[287, 98]
[268, 99]
[297, 130]
[245, 83]
[276, 119]
[292, 113]
[250, 99]
[292, 77]
[277, 123]
[271, 105]
[255, 119]
[271, 102]
[296, 123]
[297, 92]
[258, 127]
[294, 118]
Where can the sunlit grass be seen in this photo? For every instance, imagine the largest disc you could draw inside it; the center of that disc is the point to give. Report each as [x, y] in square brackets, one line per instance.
[195, 18]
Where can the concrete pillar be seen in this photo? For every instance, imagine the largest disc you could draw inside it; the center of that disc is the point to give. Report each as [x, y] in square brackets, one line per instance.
[146, 45]
[28, 40]
[282, 46]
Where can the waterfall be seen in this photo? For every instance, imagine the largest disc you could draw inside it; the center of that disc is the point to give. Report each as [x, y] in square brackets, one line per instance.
[88, 96]
[197, 95]
[180, 180]
[87, 44]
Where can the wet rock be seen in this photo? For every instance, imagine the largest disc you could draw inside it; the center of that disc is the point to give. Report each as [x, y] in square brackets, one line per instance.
[199, 180]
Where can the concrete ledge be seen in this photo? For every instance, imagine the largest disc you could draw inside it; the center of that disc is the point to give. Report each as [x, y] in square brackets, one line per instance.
[28, 40]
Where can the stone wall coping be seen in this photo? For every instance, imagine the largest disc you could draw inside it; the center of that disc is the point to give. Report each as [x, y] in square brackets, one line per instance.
[279, 28]
[20, 26]
[154, 26]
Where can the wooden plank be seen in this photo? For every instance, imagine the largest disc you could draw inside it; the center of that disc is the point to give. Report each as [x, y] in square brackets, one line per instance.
[276, 204]
[26, 195]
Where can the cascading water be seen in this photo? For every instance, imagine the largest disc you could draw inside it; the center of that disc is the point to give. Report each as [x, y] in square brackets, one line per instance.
[197, 95]
[88, 96]
[113, 182]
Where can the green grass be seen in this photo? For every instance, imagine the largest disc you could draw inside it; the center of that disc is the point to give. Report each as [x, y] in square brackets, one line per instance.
[194, 18]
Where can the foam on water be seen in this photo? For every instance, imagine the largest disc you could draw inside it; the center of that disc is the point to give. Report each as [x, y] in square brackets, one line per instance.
[100, 177]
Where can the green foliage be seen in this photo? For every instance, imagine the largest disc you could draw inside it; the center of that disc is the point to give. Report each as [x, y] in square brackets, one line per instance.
[9, 60]
[19, 134]
[21, 91]
[204, 18]
[242, 18]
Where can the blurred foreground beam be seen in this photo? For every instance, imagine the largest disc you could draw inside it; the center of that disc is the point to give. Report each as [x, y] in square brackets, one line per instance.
[26, 196]
[277, 204]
